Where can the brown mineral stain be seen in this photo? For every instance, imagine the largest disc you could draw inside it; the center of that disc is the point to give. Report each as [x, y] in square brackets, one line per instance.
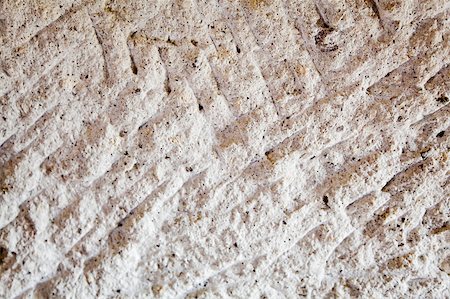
[391, 5]
[400, 262]
[118, 13]
[254, 4]
[195, 218]
[441, 229]
[139, 38]
[271, 157]
[20, 51]
[7, 259]
[7, 173]
[156, 289]
[223, 53]
[301, 70]
[444, 157]
[197, 294]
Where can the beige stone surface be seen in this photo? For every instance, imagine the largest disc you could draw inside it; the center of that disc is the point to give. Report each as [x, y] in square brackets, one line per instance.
[224, 149]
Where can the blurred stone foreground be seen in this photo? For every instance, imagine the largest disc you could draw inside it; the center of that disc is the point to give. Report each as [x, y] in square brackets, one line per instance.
[224, 149]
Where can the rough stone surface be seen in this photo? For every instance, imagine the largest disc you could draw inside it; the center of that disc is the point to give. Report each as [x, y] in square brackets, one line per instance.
[224, 149]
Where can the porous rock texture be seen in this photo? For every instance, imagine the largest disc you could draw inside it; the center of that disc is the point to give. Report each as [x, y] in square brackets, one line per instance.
[224, 149]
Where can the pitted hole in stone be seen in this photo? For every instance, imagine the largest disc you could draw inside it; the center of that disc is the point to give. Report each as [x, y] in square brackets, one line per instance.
[3, 254]
[443, 99]
[325, 200]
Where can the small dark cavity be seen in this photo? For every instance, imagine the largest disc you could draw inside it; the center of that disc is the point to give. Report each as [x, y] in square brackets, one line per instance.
[442, 99]
[167, 86]
[373, 5]
[133, 65]
[134, 69]
[238, 49]
[171, 41]
[200, 107]
[3, 254]
[321, 21]
[440, 134]
[325, 199]
[320, 40]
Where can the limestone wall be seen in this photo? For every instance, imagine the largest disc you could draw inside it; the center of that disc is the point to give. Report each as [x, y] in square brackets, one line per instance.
[224, 149]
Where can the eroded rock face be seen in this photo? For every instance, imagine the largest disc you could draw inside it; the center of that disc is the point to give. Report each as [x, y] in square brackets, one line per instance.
[217, 149]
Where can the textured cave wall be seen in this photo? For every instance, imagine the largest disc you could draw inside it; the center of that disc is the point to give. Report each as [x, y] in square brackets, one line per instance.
[224, 149]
